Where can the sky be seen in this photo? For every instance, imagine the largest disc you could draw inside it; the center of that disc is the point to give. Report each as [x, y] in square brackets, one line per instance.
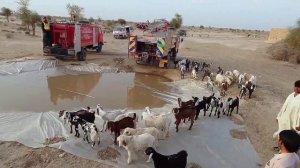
[243, 14]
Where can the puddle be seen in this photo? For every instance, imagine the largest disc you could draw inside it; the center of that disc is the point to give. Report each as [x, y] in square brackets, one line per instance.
[53, 89]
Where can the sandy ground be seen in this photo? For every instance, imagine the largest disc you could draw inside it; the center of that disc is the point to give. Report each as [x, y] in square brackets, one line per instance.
[228, 50]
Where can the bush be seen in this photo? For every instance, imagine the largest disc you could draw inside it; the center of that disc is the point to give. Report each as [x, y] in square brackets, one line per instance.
[9, 35]
[284, 52]
[293, 38]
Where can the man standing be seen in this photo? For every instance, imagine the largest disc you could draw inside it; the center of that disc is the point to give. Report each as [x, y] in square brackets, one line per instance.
[46, 32]
[289, 116]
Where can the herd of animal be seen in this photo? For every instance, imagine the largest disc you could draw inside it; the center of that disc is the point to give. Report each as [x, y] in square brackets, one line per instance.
[127, 134]
[133, 139]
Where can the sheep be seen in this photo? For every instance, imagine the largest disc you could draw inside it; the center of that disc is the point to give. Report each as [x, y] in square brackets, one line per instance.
[199, 106]
[94, 135]
[219, 79]
[108, 116]
[136, 143]
[178, 160]
[185, 104]
[228, 73]
[138, 131]
[183, 113]
[161, 121]
[233, 103]
[116, 127]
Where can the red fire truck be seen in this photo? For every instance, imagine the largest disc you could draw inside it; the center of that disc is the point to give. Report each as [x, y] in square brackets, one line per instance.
[73, 40]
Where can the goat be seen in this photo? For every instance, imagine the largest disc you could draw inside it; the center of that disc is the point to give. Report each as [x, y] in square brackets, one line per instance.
[208, 100]
[185, 104]
[241, 80]
[214, 104]
[94, 135]
[210, 84]
[117, 126]
[251, 87]
[220, 71]
[224, 88]
[221, 107]
[236, 74]
[65, 115]
[138, 131]
[243, 91]
[178, 160]
[206, 73]
[194, 73]
[161, 121]
[108, 116]
[220, 79]
[136, 143]
[233, 103]
[83, 114]
[182, 71]
[183, 113]
[199, 105]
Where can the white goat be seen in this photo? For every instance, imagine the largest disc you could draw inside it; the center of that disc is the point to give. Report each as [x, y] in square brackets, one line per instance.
[138, 131]
[242, 80]
[236, 74]
[228, 73]
[194, 73]
[136, 143]
[219, 79]
[253, 80]
[108, 116]
[210, 83]
[94, 135]
[160, 121]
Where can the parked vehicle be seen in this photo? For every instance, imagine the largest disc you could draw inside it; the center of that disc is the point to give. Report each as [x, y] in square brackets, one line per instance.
[73, 40]
[182, 32]
[122, 32]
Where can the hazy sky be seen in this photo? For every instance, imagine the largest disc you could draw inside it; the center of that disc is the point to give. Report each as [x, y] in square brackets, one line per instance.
[250, 14]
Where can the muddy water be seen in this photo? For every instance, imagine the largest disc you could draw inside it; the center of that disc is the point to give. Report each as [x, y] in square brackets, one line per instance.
[53, 90]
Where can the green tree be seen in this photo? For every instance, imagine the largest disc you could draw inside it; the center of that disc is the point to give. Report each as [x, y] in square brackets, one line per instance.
[24, 12]
[176, 22]
[91, 19]
[122, 21]
[75, 10]
[293, 39]
[34, 19]
[6, 12]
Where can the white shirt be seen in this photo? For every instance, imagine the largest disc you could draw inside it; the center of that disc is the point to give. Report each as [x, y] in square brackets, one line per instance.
[284, 160]
[289, 115]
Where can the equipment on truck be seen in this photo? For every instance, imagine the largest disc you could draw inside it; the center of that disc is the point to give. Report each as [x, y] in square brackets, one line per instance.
[157, 46]
[71, 39]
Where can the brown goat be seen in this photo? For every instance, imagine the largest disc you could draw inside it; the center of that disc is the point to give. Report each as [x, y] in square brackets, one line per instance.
[183, 113]
[185, 104]
[117, 126]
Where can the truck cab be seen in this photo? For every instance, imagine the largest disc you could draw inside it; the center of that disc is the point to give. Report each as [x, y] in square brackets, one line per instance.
[122, 32]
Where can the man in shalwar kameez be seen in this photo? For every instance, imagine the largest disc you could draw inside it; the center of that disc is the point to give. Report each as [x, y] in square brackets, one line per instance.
[289, 116]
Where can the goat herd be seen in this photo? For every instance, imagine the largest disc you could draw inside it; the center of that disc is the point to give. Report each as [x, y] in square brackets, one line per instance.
[157, 125]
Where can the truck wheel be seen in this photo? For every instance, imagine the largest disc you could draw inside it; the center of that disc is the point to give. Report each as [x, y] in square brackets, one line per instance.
[99, 48]
[81, 56]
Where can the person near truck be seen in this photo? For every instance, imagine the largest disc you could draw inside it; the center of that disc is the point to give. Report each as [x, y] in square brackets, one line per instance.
[46, 32]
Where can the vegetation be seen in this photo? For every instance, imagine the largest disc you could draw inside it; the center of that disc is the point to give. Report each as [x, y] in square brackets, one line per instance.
[75, 11]
[293, 38]
[6, 12]
[176, 22]
[28, 17]
[122, 21]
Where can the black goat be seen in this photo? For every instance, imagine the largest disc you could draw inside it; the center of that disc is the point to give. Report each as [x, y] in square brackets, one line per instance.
[233, 103]
[208, 100]
[178, 160]
[199, 106]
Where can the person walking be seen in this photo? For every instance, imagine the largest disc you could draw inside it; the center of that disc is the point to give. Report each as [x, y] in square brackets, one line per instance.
[46, 32]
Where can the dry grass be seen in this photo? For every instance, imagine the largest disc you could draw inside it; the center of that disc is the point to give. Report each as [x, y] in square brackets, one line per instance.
[282, 51]
[108, 154]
